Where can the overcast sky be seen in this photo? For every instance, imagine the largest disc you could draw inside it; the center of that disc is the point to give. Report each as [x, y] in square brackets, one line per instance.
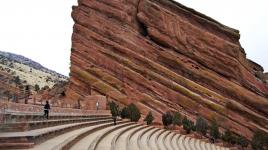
[41, 29]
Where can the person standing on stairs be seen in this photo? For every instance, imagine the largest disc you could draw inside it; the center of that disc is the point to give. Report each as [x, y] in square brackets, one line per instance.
[46, 109]
[97, 105]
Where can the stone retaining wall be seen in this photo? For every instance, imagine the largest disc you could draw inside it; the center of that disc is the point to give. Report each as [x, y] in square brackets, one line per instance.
[6, 107]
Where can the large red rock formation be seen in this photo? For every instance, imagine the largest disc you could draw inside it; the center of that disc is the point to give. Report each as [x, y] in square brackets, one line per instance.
[164, 56]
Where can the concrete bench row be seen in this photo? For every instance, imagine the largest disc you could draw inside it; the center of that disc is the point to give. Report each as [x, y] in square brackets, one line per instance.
[12, 117]
[27, 139]
[31, 125]
[129, 136]
[97, 133]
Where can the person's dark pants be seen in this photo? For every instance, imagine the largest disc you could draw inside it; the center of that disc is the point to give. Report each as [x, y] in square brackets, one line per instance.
[46, 113]
[114, 118]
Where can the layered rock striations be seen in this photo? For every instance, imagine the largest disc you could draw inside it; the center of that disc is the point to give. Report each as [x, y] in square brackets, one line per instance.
[164, 56]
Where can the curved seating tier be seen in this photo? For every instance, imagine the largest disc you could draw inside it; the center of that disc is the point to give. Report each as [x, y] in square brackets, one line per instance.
[91, 132]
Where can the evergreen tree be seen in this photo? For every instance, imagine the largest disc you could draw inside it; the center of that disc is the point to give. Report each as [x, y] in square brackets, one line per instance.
[240, 140]
[134, 113]
[260, 141]
[188, 125]
[227, 136]
[201, 125]
[167, 119]
[114, 108]
[36, 87]
[176, 120]
[124, 113]
[17, 80]
[214, 129]
[149, 118]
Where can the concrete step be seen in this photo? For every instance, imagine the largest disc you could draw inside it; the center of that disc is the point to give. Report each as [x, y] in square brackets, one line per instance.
[192, 143]
[213, 147]
[130, 136]
[6, 146]
[160, 140]
[133, 140]
[208, 146]
[40, 135]
[181, 142]
[67, 140]
[167, 141]
[90, 141]
[203, 145]
[157, 138]
[144, 138]
[152, 140]
[94, 133]
[198, 144]
[106, 141]
[139, 142]
[170, 142]
[120, 140]
[31, 125]
[187, 144]
[174, 142]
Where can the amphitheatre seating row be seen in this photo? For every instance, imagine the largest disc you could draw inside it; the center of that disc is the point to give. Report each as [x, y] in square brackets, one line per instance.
[31, 125]
[92, 132]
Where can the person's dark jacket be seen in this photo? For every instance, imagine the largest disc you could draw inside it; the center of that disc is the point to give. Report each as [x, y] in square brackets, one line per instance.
[47, 107]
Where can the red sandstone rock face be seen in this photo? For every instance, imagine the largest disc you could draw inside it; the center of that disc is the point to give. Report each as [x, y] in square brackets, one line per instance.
[164, 56]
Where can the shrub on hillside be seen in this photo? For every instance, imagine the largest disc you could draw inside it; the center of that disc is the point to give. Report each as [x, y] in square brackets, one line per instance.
[188, 125]
[201, 125]
[260, 141]
[17, 80]
[149, 118]
[240, 140]
[124, 113]
[214, 129]
[134, 113]
[36, 87]
[45, 87]
[232, 138]
[227, 136]
[176, 120]
[167, 119]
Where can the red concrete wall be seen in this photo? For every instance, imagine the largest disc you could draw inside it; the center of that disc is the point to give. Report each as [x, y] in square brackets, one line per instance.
[89, 103]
